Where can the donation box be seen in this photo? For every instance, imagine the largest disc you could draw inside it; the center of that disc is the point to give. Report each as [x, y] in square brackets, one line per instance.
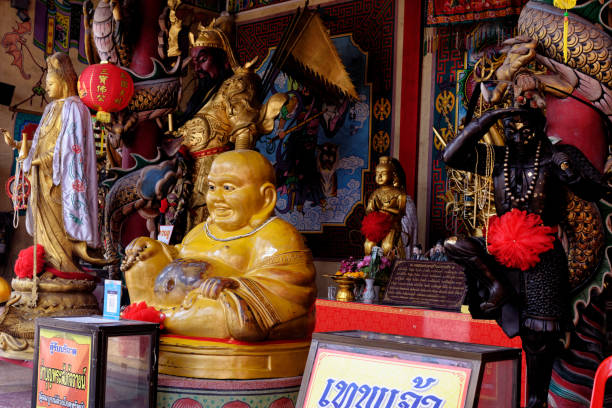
[351, 369]
[92, 362]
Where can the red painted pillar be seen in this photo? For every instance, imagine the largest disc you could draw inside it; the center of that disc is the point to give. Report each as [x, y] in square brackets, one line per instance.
[146, 135]
[410, 87]
[145, 46]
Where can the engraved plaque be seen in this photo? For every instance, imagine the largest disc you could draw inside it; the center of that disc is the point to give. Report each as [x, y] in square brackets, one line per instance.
[430, 284]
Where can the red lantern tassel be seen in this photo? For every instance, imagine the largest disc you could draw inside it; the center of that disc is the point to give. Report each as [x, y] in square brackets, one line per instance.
[565, 30]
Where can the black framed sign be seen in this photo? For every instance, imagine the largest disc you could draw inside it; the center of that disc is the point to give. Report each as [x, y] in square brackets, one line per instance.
[430, 284]
[90, 362]
[354, 369]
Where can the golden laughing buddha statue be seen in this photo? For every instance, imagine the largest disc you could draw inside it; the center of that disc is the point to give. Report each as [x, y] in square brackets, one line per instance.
[242, 275]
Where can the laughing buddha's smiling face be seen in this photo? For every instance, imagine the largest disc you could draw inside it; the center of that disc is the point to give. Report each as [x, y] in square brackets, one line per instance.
[236, 192]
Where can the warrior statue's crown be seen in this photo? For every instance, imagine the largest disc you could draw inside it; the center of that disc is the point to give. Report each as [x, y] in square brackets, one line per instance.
[213, 36]
[209, 36]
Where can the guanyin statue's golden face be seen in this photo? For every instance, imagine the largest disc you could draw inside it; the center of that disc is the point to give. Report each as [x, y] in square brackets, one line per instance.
[55, 86]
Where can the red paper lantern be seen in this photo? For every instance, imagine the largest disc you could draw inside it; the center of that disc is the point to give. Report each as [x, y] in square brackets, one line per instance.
[105, 88]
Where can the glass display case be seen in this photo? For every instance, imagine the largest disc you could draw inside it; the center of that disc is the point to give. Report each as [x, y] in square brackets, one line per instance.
[91, 362]
[364, 369]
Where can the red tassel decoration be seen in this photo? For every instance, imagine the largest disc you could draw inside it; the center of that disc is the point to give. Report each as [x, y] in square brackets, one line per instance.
[517, 238]
[140, 311]
[24, 265]
[376, 225]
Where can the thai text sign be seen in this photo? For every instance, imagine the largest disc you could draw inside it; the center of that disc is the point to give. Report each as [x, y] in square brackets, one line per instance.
[348, 380]
[63, 369]
[431, 284]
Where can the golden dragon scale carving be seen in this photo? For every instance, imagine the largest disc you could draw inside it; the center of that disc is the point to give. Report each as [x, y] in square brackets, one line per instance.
[584, 231]
[589, 48]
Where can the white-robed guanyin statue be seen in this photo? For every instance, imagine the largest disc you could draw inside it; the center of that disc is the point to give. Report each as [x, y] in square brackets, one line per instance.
[62, 215]
[64, 152]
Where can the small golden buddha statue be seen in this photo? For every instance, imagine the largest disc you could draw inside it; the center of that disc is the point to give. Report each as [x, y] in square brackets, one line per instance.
[176, 25]
[242, 274]
[389, 198]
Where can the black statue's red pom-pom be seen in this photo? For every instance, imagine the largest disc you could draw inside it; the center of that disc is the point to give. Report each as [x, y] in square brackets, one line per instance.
[517, 238]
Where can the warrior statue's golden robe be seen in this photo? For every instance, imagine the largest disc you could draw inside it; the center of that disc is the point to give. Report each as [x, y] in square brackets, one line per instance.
[231, 115]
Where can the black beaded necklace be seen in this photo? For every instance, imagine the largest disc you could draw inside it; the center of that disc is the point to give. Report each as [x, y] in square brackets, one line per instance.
[532, 181]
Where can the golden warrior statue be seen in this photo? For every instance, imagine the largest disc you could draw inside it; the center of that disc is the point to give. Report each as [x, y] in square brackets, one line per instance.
[225, 108]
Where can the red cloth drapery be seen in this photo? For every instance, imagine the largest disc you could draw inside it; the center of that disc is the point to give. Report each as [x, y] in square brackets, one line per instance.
[442, 12]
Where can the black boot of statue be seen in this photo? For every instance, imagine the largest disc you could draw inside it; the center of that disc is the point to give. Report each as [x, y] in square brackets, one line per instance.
[471, 254]
[541, 349]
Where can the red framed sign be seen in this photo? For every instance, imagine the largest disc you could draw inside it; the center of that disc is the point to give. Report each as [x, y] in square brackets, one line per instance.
[93, 362]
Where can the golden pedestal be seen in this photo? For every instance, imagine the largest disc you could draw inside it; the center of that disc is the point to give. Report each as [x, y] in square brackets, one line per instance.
[346, 287]
[27, 352]
[54, 297]
[219, 359]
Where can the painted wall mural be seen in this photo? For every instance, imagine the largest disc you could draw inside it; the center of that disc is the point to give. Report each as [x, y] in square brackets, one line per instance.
[319, 165]
[14, 42]
[323, 152]
[58, 26]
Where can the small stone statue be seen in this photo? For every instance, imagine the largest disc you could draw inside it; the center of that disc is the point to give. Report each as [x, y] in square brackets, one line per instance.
[437, 253]
[176, 24]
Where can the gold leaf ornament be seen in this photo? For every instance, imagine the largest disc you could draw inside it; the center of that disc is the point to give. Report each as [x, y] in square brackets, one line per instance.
[564, 4]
